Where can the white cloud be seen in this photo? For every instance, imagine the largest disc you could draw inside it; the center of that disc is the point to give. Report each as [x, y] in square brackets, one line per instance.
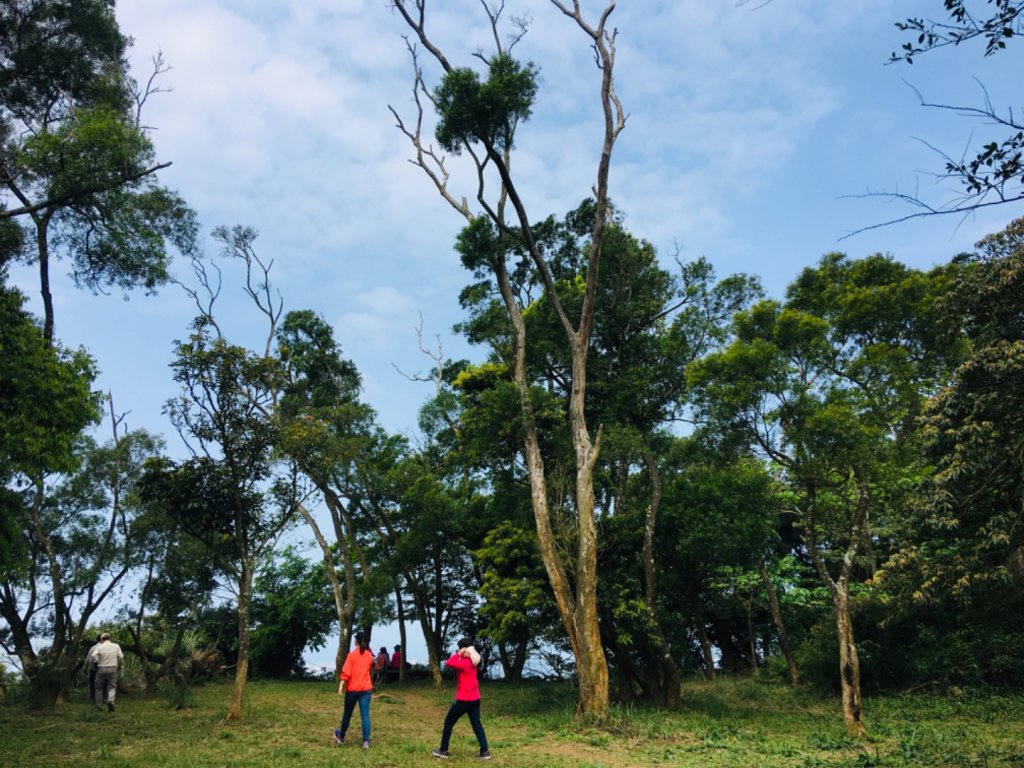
[745, 127]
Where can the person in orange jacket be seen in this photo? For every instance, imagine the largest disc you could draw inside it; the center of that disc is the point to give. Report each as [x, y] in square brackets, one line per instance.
[380, 665]
[357, 687]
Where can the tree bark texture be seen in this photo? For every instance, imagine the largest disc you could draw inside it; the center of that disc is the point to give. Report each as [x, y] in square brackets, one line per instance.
[849, 667]
[242, 667]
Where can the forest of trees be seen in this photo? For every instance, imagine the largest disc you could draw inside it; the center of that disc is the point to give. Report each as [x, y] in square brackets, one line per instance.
[651, 470]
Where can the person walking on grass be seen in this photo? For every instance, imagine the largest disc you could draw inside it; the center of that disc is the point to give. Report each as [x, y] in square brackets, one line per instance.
[356, 686]
[467, 698]
[107, 658]
[92, 669]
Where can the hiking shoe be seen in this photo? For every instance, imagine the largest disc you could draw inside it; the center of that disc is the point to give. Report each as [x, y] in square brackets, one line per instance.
[338, 737]
[485, 755]
[110, 707]
[442, 753]
[366, 745]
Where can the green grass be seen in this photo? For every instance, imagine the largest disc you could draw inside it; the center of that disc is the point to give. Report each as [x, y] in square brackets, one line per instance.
[730, 724]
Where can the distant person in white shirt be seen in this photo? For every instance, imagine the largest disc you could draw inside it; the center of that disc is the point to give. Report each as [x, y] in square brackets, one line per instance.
[106, 656]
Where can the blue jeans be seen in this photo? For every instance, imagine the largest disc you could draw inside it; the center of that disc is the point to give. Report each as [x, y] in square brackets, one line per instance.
[351, 697]
[458, 709]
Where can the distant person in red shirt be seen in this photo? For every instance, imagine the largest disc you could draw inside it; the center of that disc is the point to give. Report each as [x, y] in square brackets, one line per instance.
[467, 698]
[380, 665]
[396, 658]
[355, 684]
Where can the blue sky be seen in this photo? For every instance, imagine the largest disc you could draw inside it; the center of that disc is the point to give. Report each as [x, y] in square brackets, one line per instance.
[750, 132]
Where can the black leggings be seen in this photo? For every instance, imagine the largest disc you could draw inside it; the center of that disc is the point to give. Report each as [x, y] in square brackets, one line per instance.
[458, 709]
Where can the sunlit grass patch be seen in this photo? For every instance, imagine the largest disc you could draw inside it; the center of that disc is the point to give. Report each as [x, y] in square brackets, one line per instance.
[729, 724]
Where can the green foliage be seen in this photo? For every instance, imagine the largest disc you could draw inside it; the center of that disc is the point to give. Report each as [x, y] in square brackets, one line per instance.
[477, 245]
[291, 611]
[95, 147]
[200, 496]
[470, 111]
[321, 424]
[322, 377]
[46, 401]
[78, 166]
[77, 541]
[1005, 21]
[52, 49]
[226, 394]
[517, 600]
[963, 558]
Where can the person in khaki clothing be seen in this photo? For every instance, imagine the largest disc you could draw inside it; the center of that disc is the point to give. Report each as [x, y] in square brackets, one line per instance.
[106, 656]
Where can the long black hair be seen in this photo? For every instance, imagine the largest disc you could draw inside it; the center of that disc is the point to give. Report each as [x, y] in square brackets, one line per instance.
[363, 641]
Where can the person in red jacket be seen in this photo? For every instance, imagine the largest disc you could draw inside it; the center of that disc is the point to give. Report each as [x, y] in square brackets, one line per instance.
[355, 684]
[467, 698]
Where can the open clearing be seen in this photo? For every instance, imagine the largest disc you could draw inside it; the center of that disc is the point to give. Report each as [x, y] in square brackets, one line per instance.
[731, 723]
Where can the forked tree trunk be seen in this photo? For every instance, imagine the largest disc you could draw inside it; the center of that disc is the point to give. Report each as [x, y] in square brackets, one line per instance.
[433, 653]
[849, 660]
[577, 608]
[431, 634]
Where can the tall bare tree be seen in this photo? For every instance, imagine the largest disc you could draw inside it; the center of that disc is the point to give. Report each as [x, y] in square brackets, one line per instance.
[480, 119]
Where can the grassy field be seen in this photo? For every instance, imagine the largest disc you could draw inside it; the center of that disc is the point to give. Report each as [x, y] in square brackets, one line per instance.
[737, 723]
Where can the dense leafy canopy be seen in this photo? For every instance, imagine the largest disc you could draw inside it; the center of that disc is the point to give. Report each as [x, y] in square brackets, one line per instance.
[472, 112]
[77, 166]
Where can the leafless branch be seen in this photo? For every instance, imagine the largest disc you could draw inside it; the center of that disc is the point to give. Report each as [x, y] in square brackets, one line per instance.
[140, 95]
[427, 159]
[438, 357]
[981, 186]
[988, 111]
[238, 244]
[116, 420]
[417, 24]
[209, 280]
